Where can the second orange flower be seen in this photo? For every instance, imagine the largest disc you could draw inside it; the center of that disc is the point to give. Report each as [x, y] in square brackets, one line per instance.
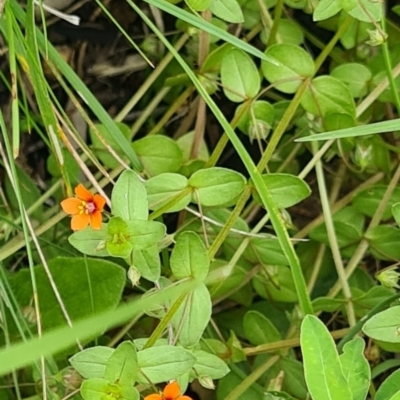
[172, 391]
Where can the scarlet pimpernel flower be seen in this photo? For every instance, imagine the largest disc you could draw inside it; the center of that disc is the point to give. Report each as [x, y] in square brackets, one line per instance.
[85, 208]
[171, 392]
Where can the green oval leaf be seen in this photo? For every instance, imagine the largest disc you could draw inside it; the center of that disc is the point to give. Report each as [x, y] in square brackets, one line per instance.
[90, 241]
[326, 9]
[323, 372]
[144, 234]
[163, 363]
[355, 76]
[163, 188]
[239, 76]
[193, 316]
[216, 186]
[158, 154]
[389, 387]
[129, 197]
[91, 362]
[122, 367]
[356, 368]
[147, 262]
[286, 190]
[327, 95]
[227, 10]
[189, 257]
[296, 64]
[384, 326]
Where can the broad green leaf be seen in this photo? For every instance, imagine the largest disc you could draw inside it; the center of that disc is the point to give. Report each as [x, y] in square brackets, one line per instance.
[396, 212]
[367, 201]
[390, 387]
[355, 33]
[266, 250]
[384, 326]
[158, 154]
[326, 9]
[239, 76]
[100, 144]
[144, 234]
[323, 372]
[122, 367]
[80, 297]
[90, 241]
[275, 284]
[227, 10]
[209, 365]
[327, 304]
[129, 197]
[189, 257]
[288, 32]
[383, 241]
[296, 64]
[96, 389]
[286, 190]
[296, 4]
[363, 10]
[185, 143]
[326, 95]
[198, 5]
[193, 316]
[216, 186]
[259, 329]
[162, 363]
[164, 188]
[356, 368]
[349, 228]
[147, 262]
[91, 362]
[355, 76]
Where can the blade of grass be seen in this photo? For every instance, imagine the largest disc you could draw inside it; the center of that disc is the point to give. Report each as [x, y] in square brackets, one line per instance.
[84, 93]
[23, 354]
[210, 28]
[364, 130]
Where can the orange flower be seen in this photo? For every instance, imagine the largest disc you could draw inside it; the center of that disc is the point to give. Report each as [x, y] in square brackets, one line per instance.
[171, 392]
[85, 208]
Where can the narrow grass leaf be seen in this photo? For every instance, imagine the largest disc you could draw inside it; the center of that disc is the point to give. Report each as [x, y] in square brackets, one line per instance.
[364, 130]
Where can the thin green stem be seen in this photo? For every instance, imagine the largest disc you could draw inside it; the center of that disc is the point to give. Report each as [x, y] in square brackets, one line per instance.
[388, 66]
[332, 237]
[277, 18]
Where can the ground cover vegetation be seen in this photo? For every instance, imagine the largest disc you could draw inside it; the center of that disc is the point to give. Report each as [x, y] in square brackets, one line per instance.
[200, 200]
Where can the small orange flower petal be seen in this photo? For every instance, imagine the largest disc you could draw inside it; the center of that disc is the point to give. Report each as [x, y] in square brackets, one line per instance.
[70, 205]
[172, 391]
[96, 220]
[79, 222]
[99, 201]
[184, 398]
[83, 193]
[153, 397]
